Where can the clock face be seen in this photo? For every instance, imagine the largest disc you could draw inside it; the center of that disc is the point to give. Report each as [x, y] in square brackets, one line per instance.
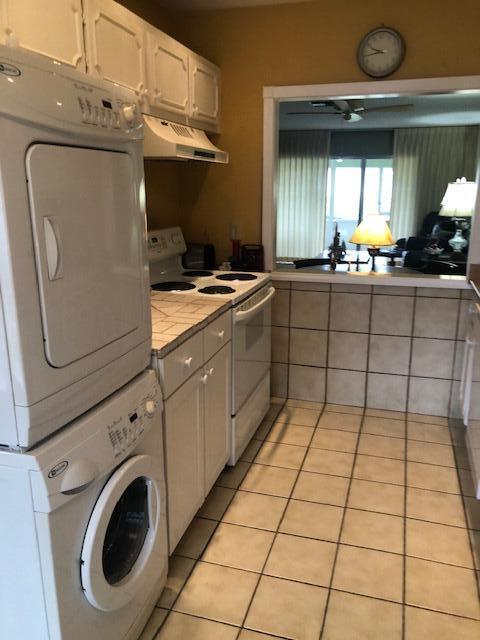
[381, 52]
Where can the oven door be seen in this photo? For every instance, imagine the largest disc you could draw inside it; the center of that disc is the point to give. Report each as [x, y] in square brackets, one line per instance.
[251, 345]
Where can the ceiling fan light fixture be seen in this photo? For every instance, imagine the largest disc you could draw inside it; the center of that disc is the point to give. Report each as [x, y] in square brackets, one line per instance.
[351, 116]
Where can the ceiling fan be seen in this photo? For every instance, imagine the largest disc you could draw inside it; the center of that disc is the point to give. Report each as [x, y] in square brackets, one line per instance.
[349, 110]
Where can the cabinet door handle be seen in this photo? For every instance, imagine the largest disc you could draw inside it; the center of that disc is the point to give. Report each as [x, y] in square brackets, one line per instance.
[188, 362]
[204, 378]
[220, 334]
[211, 371]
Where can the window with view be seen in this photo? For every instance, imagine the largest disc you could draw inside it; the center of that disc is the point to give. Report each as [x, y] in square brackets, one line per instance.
[355, 188]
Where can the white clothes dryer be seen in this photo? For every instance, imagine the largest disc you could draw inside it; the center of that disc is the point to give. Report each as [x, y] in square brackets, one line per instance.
[83, 527]
[74, 287]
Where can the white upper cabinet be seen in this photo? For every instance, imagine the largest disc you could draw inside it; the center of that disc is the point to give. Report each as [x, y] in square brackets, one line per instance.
[52, 28]
[115, 43]
[167, 76]
[204, 78]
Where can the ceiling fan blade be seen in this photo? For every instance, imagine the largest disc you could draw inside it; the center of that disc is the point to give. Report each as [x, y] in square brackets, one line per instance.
[342, 105]
[391, 107]
[314, 113]
[357, 105]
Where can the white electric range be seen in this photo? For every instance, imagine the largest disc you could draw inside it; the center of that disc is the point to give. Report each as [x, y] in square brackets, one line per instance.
[250, 295]
[165, 250]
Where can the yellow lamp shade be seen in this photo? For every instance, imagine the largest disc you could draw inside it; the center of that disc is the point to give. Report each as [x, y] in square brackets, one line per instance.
[459, 199]
[373, 231]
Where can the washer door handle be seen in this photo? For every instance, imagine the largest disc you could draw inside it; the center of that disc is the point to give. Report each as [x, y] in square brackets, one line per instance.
[78, 477]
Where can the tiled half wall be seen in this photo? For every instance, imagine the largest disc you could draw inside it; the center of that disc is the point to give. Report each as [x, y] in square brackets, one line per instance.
[384, 347]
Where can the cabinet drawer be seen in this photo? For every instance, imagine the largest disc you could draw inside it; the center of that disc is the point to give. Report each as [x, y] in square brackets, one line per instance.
[179, 365]
[217, 334]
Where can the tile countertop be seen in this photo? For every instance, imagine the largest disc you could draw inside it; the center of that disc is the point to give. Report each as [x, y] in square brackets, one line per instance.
[177, 316]
[398, 278]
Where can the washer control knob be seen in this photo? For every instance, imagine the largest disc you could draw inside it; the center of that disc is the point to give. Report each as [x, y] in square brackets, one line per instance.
[150, 408]
[129, 112]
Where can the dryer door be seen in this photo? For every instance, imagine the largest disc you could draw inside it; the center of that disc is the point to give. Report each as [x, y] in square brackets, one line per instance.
[122, 540]
[87, 249]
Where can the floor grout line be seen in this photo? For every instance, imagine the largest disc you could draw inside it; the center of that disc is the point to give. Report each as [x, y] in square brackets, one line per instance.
[337, 550]
[345, 508]
[197, 560]
[277, 530]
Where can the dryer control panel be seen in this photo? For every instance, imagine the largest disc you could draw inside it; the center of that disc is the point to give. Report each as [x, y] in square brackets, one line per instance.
[48, 93]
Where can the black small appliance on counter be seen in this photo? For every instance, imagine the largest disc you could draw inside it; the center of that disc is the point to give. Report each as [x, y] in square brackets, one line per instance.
[199, 256]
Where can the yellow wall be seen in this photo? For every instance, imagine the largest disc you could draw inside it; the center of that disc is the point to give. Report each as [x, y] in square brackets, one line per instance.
[306, 43]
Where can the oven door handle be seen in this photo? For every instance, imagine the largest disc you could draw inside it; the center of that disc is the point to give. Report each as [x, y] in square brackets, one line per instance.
[243, 316]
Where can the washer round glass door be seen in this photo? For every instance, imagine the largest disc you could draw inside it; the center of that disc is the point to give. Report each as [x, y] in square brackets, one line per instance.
[122, 535]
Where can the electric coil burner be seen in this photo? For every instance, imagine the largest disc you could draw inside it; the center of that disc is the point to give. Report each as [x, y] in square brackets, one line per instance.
[173, 286]
[216, 289]
[236, 276]
[197, 273]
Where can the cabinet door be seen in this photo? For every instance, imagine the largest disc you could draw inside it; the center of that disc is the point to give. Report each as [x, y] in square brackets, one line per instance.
[52, 28]
[167, 75]
[115, 40]
[184, 456]
[204, 93]
[217, 415]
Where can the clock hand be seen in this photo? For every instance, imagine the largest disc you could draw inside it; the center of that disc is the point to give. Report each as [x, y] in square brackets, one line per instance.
[376, 51]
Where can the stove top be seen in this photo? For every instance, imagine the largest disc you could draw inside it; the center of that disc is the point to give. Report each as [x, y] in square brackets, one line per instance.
[171, 285]
[237, 276]
[167, 274]
[216, 289]
[192, 273]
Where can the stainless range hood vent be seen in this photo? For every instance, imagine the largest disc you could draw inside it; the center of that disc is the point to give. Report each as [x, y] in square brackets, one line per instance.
[171, 141]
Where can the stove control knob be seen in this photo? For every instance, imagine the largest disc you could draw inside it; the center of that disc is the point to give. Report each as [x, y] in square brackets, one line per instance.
[150, 407]
[129, 112]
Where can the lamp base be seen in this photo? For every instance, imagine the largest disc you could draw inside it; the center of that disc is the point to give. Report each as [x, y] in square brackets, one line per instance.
[373, 252]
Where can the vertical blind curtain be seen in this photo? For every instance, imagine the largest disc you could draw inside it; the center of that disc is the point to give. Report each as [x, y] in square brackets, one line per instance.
[302, 188]
[425, 160]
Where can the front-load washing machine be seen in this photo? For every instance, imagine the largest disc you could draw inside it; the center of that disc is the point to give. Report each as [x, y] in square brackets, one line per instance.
[83, 524]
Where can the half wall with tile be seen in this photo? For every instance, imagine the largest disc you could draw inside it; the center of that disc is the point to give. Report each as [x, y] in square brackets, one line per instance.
[384, 347]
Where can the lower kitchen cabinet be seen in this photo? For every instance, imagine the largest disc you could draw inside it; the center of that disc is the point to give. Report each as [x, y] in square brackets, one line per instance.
[184, 459]
[217, 415]
[197, 440]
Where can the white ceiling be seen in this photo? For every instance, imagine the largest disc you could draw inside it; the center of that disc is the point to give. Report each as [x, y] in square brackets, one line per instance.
[427, 111]
[219, 4]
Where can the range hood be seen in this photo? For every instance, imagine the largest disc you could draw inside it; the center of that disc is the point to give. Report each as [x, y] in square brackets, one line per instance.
[171, 141]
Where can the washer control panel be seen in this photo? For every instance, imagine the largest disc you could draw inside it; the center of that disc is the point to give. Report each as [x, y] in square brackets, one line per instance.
[124, 431]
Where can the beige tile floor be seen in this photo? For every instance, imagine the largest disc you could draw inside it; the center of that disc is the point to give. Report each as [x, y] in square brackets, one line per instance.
[336, 524]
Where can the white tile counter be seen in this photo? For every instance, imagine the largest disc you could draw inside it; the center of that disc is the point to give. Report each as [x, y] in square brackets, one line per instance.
[177, 316]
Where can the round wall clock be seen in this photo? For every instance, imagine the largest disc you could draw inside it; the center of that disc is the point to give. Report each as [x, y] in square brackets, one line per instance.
[381, 52]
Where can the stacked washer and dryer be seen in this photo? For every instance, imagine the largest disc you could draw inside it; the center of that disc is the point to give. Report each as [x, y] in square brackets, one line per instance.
[82, 492]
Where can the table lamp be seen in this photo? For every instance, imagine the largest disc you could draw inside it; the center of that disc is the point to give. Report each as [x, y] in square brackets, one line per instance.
[459, 203]
[374, 232]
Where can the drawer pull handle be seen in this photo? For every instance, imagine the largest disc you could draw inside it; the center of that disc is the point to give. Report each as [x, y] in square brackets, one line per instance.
[204, 378]
[188, 361]
[220, 334]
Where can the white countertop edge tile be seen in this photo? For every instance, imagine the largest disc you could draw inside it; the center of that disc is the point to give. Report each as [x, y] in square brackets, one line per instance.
[386, 279]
